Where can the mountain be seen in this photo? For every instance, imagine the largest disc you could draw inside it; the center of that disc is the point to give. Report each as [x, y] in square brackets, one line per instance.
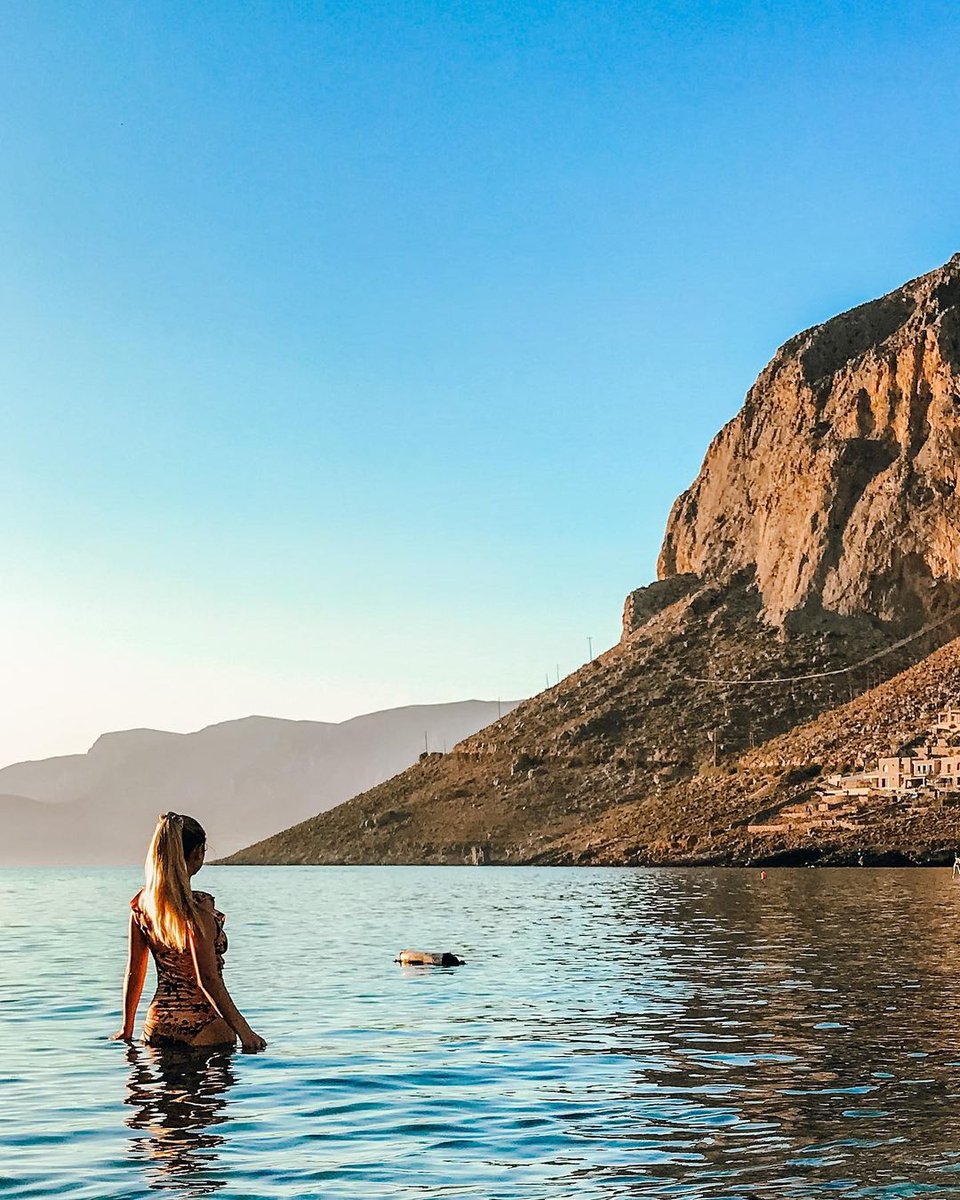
[836, 482]
[770, 805]
[815, 554]
[243, 779]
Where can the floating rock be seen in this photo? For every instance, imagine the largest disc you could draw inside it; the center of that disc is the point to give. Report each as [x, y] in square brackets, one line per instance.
[423, 958]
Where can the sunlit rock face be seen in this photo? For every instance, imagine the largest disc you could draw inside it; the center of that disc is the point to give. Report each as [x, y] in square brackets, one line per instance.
[835, 485]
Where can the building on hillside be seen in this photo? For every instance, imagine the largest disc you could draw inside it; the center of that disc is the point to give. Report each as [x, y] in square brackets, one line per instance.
[907, 773]
[931, 767]
[948, 775]
[934, 767]
[901, 774]
[860, 783]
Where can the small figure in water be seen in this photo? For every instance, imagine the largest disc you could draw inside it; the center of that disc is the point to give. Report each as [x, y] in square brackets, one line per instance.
[184, 932]
[956, 864]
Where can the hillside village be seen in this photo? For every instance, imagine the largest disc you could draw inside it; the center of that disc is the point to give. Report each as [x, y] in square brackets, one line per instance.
[933, 766]
[922, 775]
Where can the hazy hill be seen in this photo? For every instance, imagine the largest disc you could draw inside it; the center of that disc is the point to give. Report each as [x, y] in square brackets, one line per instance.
[244, 779]
[820, 533]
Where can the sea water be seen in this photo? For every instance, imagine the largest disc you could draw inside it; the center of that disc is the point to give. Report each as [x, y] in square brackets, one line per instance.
[649, 1033]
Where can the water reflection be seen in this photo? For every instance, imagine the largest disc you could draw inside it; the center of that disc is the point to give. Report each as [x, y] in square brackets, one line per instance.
[179, 1097]
[804, 1033]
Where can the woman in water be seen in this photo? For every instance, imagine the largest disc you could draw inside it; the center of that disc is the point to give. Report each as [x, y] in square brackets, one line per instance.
[184, 932]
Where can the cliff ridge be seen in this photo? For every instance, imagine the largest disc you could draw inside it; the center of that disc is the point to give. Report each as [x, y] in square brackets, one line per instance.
[836, 482]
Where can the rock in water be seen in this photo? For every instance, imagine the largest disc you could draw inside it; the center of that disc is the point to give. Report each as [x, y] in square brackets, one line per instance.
[424, 958]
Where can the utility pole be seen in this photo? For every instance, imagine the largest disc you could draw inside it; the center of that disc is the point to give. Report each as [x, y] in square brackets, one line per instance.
[590, 648]
[499, 714]
[558, 673]
[546, 676]
[426, 749]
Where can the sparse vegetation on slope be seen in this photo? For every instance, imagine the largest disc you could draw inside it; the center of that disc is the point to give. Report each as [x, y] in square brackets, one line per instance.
[613, 765]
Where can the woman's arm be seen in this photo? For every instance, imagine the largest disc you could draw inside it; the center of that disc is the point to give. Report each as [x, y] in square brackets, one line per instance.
[137, 954]
[202, 947]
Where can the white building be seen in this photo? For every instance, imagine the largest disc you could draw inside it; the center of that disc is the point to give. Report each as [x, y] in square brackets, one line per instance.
[948, 721]
[911, 772]
[907, 773]
[860, 783]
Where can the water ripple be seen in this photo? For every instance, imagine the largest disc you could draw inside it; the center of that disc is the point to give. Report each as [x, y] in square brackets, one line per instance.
[615, 1033]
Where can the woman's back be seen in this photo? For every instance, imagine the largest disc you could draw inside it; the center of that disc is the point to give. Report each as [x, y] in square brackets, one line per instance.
[183, 931]
[179, 1009]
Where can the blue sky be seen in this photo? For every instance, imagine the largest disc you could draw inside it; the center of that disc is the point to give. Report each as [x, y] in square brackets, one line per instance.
[352, 355]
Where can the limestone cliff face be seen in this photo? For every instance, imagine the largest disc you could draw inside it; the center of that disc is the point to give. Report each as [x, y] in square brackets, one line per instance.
[836, 482]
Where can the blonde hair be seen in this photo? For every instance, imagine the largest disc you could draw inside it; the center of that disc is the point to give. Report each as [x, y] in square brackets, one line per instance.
[167, 899]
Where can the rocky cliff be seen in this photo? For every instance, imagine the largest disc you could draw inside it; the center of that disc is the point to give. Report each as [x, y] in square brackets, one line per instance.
[836, 482]
[813, 557]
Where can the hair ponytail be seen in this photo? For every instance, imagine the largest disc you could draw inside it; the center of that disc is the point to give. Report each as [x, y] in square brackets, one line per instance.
[167, 899]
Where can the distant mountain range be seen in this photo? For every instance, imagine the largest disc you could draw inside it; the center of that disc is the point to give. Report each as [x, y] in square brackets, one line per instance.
[242, 779]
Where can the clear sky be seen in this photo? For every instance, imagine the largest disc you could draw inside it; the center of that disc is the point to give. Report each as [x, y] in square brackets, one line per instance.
[353, 354]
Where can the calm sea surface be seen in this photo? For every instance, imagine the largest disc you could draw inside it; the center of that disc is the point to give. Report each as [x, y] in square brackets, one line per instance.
[615, 1033]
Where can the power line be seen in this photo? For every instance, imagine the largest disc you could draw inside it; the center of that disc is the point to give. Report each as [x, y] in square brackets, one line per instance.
[827, 674]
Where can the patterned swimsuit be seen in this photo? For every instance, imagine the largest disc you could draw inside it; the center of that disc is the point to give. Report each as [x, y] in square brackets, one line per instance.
[179, 1009]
